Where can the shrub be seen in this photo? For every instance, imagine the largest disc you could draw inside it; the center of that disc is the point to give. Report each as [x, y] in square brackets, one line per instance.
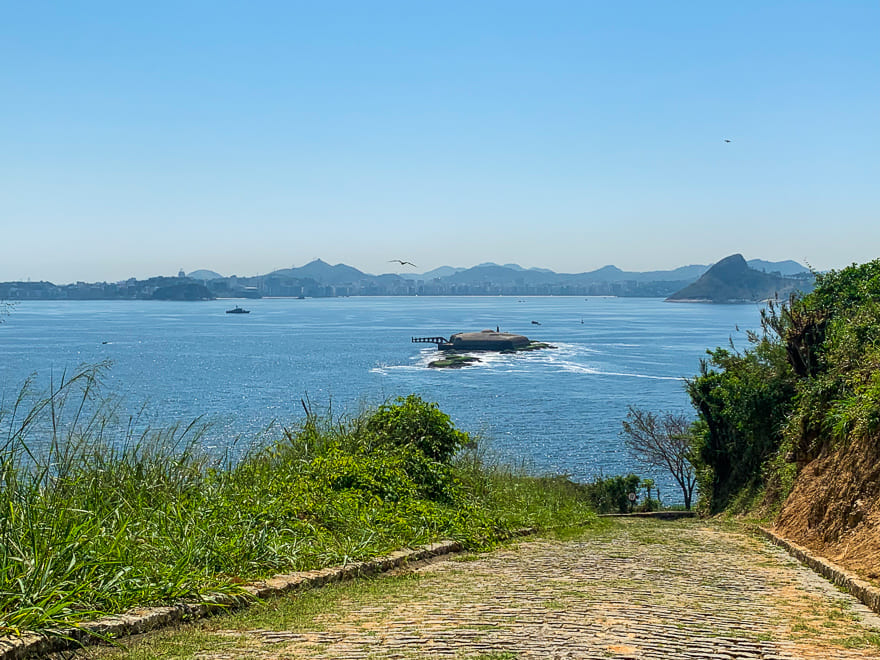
[412, 422]
[383, 475]
[611, 494]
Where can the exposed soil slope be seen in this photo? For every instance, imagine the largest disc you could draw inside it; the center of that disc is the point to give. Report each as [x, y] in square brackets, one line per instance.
[834, 508]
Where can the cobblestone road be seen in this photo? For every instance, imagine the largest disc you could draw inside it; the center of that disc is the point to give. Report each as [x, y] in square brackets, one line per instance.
[642, 589]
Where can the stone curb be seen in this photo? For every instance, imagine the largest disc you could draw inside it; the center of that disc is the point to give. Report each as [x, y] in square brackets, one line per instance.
[865, 592]
[141, 620]
[661, 515]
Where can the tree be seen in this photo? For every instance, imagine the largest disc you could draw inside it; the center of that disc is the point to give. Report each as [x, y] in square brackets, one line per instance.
[663, 441]
[742, 401]
[649, 485]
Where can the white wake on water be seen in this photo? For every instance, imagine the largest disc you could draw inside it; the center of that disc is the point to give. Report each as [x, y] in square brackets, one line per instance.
[565, 357]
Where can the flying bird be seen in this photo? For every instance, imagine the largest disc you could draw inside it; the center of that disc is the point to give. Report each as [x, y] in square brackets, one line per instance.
[726, 140]
[402, 263]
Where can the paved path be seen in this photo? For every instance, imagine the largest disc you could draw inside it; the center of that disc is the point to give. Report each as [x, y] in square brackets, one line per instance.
[642, 589]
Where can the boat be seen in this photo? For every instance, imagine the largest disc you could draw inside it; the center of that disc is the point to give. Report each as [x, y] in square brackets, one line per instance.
[238, 310]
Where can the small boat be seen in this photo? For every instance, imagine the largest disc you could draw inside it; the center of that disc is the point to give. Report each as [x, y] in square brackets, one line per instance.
[238, 310]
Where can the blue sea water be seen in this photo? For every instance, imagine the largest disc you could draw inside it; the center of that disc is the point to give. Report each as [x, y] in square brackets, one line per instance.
[555, 410]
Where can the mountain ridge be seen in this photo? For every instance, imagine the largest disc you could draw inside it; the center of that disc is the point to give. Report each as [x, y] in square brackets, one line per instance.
[732, 280]
[318, 278]
[612, 273]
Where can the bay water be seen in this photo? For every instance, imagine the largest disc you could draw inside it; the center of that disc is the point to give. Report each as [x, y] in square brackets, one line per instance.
[557, 410]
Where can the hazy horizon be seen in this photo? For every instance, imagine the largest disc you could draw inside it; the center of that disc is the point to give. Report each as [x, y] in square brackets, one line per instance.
[142, 139]
[403, 273]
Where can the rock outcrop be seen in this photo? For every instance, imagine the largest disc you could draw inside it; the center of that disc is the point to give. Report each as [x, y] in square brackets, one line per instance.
[731, 280]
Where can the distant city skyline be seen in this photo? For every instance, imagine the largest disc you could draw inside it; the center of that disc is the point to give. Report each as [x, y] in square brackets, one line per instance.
[142, 139]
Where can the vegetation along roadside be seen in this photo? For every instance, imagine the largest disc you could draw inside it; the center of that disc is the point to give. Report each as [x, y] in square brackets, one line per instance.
[97, 517]
[788, 429]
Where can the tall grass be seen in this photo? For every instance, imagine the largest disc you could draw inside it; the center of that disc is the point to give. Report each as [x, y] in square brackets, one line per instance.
[99, 514]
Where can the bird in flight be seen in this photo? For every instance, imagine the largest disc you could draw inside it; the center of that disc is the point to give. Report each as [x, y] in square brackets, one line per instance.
[402, 263]
[726, 140]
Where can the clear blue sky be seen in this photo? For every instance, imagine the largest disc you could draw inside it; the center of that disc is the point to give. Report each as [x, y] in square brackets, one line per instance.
[140, 138]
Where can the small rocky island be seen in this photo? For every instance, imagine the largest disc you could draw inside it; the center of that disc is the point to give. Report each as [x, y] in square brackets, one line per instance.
[486, 340]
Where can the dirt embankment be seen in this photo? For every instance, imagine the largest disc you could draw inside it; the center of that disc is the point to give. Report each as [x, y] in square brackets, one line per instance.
[834, 509]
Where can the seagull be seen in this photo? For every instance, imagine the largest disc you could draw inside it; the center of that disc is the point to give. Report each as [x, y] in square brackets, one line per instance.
[402, 263]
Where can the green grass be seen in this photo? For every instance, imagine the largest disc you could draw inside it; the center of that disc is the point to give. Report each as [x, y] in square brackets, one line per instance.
[556, 604]
[860, 641]
[99, 514]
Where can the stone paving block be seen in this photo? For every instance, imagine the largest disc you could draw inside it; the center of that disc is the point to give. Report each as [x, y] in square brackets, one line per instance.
[700, 594]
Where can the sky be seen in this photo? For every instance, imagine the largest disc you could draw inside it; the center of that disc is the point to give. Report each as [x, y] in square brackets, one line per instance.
[137, 139]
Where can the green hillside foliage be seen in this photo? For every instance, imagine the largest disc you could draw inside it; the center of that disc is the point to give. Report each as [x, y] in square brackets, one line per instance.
[808, 382]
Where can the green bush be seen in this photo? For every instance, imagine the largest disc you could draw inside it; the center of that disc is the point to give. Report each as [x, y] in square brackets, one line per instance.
[412, 422]
[611, 494]
[383, 475]
[392, 475]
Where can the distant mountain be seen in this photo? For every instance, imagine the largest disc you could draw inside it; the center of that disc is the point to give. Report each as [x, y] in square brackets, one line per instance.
[731, 280]
[512, 274]
[204, 275]
[499, 275]
[322, 272]
[319, 279]
[785, 268]
[511, 267]
[446, 271]
[681, 273]
[443, 271]
[604, 274]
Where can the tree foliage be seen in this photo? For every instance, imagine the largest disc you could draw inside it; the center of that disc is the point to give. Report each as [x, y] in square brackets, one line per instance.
[742, 400]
